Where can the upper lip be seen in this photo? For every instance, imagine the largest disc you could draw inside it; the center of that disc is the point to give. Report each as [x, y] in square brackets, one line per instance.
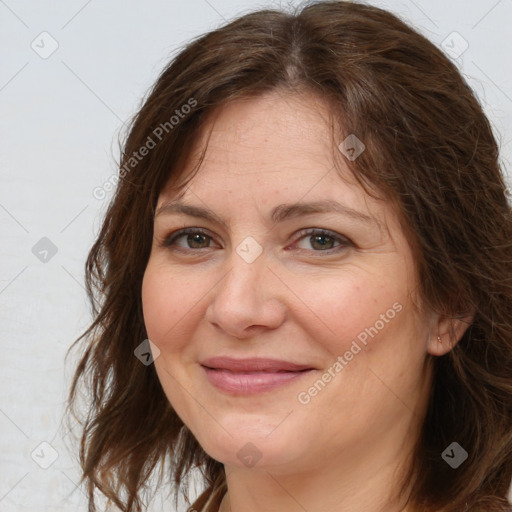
[253, 365]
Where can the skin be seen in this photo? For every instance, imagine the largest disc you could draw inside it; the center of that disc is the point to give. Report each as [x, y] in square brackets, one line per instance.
[296, 301]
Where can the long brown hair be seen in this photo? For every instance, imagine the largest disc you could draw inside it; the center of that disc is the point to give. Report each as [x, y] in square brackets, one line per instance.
[429, 149]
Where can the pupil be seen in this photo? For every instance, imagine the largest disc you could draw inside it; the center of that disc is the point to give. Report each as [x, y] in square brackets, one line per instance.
[195, 238]
[319, 237]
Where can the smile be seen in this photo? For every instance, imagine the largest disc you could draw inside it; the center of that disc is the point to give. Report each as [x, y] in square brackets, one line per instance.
[248, 383]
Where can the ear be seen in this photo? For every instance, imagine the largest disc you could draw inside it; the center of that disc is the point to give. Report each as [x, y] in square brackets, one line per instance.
[446, 332]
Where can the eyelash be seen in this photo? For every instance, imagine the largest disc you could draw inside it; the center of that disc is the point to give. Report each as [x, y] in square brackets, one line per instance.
[343, 241]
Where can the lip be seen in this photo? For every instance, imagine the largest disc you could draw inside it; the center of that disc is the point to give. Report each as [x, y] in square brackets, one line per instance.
[254, 364]
[251, 376]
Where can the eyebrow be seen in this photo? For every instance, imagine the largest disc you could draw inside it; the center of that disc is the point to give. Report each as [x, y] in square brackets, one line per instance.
[280, 213]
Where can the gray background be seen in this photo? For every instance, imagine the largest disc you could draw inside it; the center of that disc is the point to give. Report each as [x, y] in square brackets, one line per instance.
[60, 118]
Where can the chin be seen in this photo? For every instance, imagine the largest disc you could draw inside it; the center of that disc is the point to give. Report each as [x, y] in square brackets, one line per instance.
[252, 447]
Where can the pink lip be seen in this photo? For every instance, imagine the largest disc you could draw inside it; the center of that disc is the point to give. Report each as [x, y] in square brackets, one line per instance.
[254, 364]
[250, 376]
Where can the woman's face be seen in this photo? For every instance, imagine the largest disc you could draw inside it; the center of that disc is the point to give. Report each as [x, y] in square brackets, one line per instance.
[337, 302]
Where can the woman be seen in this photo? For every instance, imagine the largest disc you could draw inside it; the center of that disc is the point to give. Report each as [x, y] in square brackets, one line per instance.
[305, 278]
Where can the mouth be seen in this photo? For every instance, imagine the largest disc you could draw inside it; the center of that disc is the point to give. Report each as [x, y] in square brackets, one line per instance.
[251, 376]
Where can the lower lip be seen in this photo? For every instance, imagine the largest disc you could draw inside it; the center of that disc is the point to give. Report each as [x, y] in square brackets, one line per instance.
[250, 383]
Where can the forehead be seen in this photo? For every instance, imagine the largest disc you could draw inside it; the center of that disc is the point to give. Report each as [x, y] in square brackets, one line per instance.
[265, 152]
[279, 141]
[270, 131]
[278, 148]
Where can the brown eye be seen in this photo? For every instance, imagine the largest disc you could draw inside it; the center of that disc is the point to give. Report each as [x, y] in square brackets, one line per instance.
[321, 240]
[194, 239]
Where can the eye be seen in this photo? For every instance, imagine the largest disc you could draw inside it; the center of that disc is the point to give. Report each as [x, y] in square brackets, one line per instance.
[320, 239]
[323, 240]
[194, 239]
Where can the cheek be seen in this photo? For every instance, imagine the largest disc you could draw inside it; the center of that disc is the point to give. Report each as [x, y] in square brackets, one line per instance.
[170, 304]
[338, 309]
[153, 291]
[367, 319]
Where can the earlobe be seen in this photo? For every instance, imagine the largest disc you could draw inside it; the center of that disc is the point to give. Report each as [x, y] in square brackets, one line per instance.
[447, 334]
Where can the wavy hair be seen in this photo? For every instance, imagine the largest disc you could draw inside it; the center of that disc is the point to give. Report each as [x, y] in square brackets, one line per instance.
[429, 149]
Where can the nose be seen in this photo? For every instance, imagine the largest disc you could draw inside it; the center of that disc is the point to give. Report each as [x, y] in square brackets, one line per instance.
[247, 299]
